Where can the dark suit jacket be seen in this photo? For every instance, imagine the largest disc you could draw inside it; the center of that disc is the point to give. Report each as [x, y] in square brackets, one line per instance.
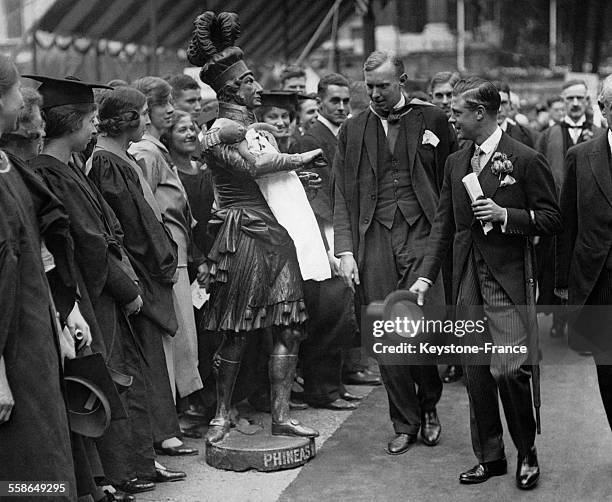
[586, 208]
[532, 210]
[355, 172]
[319, 136]
[550, 143]
[523, 134]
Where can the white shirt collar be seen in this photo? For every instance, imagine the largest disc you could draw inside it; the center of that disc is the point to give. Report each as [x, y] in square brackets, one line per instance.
[400, 104]
[610, 139]
[332, 127]
[579, 122]
[489, 145]
[507, 121]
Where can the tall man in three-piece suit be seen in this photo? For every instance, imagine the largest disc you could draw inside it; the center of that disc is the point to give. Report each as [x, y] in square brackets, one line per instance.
[388, 171]
[492, 274]
[584, 250]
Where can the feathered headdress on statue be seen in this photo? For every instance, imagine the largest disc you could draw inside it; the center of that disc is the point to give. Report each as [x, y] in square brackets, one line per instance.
[212, 47]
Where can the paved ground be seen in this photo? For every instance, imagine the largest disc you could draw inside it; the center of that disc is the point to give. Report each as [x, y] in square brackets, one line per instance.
[574, 452]
[205, 483]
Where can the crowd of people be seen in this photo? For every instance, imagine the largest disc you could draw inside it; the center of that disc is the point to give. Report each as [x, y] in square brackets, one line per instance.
[294, 211]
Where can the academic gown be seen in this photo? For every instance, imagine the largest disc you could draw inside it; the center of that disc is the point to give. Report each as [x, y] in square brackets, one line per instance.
[107, 282]
[153, 256]
[35, 442]
[53, 225]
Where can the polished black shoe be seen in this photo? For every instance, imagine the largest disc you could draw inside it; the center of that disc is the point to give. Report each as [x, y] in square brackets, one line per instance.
[164, 475]
[400, 443]
[347, 396]
[175, 451]
[430, 428]
[528, 470]
[482, 472]
[338, 405]
[365, 377]
[137, 486]
[452, 374]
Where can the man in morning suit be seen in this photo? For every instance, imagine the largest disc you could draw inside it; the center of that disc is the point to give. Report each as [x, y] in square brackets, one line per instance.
[584, 250]
[490, 273]
[388, 171]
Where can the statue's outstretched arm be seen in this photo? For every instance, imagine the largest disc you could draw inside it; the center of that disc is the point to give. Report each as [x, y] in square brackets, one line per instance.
[225, 145]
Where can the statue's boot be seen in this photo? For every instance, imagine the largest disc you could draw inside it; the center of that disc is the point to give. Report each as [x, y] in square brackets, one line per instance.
[226, 373]
[282, 371]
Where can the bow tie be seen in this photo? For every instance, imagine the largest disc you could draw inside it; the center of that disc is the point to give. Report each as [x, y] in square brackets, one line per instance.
[570, 126]
[395, 116]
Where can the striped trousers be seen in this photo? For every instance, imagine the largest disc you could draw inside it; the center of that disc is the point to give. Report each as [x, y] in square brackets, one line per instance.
[480, 296]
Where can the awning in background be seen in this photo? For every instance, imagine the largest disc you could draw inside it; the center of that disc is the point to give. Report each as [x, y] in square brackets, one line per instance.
[271, 29]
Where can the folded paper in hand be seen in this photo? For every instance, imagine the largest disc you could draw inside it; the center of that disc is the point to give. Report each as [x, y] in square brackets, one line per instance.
[474, 190]
[199, 296]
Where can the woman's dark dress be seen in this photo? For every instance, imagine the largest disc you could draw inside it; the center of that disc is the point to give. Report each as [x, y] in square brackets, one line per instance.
[201, 196]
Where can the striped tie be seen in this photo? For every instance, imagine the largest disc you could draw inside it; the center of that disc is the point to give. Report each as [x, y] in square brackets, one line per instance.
[476, 160]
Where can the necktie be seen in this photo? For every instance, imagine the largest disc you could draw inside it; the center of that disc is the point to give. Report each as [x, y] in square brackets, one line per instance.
[570, 126]
[392, 133]
[574, 130]
[476, 160]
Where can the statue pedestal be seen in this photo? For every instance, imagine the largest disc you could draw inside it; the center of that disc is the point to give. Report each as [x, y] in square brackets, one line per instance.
[261, 451]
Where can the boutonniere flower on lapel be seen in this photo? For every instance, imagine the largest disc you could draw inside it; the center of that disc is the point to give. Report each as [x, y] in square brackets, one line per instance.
[502, 167]
[586, 134]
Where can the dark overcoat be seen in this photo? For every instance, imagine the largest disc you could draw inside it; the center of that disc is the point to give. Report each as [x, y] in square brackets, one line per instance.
[319, 136]
[583, 249]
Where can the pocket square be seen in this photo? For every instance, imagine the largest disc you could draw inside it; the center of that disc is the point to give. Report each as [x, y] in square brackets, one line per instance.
[507, 181]
[429, 138]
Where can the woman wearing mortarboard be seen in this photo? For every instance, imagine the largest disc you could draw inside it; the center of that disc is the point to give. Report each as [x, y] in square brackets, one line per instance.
[108, 285]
